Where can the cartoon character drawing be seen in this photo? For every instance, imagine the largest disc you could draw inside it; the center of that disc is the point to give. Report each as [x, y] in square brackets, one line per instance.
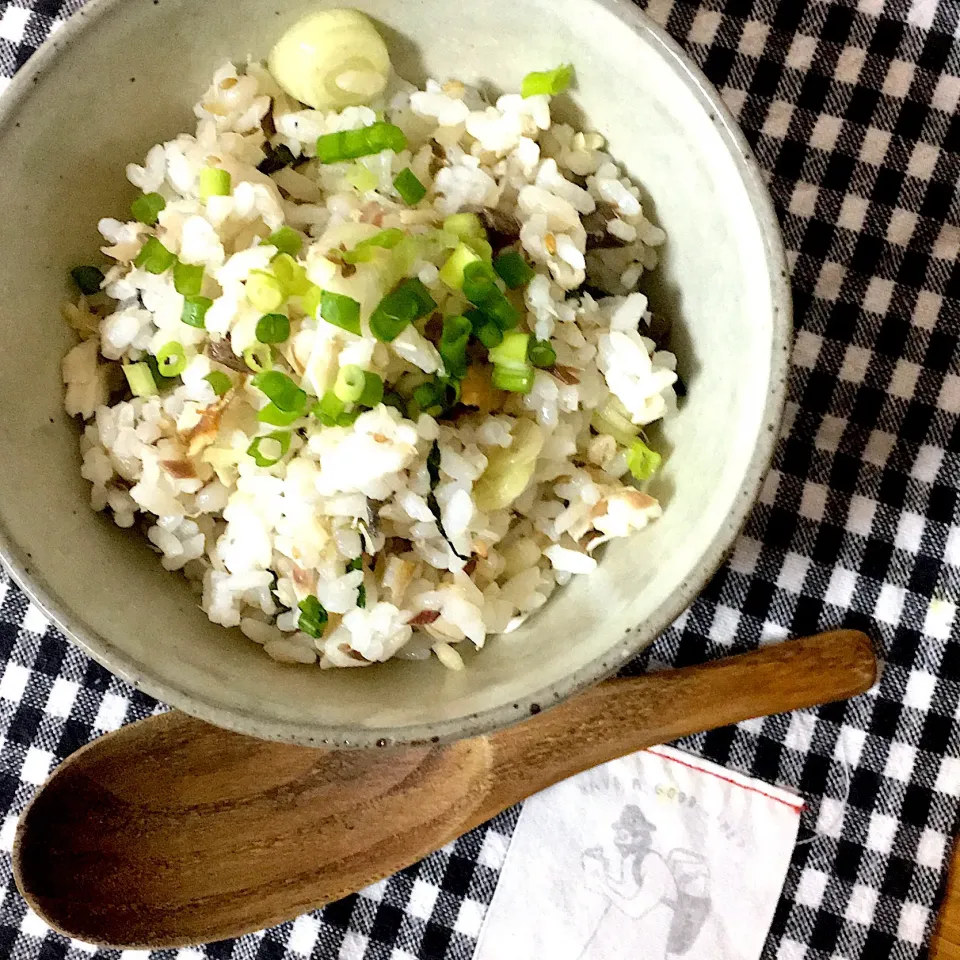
[666, 897]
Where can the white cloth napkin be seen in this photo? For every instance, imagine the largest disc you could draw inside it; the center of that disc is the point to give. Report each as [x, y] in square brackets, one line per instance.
[657, 855]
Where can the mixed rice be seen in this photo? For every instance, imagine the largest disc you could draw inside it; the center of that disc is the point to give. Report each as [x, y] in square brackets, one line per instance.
[380, 392]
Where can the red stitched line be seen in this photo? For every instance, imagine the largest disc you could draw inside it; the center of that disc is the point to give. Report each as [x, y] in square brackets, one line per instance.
[736, 783]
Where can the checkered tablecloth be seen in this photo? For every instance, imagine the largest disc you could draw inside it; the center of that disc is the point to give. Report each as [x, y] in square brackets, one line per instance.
[852, 111]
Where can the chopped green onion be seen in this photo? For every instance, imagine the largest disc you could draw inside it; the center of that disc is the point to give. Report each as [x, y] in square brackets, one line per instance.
[220, 382]
[451, 273]
[140, 379]
[266, 458]
[484, 329]
[480, 246]
[273, 415]
[399, 308]
[292, 275]
[311, 300]
[88, 279]
[362, 596]
[513, 269]
[258, 357]
[453, 345]
[171, 359]
[479, 282]
[154, 257]
[542, 354]
[214, 182]
[511, 354]
[350, 383]
[409, 187]
[273, 328]
[286, 240]
[395, 400]
[187, 278]
[489, 334]
[642, 462]
[328, 408]
[428, 396]
[361, 178]
[464, 225]
[195, 311]
[516, 381]
[363, 251]
[281, 390]
[355, 564]
[277, 157]
[341, 311]
[264, 291]
[313, 617]
[613, 419]
[372, 390]
[347, 418]
[549, 82]
[147, 207]
[350, 144]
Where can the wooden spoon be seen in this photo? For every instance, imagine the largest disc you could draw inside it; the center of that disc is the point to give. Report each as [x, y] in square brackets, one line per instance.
[171, 831]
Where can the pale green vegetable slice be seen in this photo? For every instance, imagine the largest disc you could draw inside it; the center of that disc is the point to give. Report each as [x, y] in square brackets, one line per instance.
[331, 59]
[509, 469]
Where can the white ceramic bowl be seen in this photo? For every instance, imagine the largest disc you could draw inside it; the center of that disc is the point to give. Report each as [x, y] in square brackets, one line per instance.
[122, 75]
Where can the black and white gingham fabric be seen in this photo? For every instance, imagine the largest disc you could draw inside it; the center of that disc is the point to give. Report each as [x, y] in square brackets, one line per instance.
[852, 110]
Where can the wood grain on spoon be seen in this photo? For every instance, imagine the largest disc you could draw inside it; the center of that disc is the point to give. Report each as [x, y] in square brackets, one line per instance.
[171, 832]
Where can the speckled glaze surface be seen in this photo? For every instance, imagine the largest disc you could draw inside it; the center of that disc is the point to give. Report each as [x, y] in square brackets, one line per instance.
[132, 69]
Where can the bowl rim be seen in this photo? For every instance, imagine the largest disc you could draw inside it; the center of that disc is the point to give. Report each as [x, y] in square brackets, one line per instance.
[602, 666]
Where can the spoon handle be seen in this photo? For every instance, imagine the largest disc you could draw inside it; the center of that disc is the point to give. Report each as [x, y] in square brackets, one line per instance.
[623, 716]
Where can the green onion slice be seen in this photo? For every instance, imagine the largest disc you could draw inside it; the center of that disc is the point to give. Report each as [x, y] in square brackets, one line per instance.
[214, 182]
[542, 354]
[273, 415]
[140, 379]
[258, 357]
[187, 278]
[511, 353]
[350, 144]
[372, 390]
[88, 279]
[328, 409]
[171, 359]
[220, 382]
[452, 272]
[464, 225]
[273, 328]
[195, 311]
[286, 240]
[399, 308]
[513, 269]
[363, 251]
[516, 381]
[350, 383]
[313, 617]
[291, 275]
[264, 291]
[409, 187]
[272, 454]
[279, 388]
[341, 311]
[146, 208]
[453, 345]
[154, 257]
[642, 462]
[549, 82]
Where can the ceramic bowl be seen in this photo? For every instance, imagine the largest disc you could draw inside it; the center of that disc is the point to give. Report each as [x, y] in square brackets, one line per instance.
[123, 75]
